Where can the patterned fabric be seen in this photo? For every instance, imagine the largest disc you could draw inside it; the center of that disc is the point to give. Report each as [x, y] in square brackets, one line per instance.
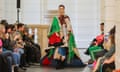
[61, 43]
[71, 45]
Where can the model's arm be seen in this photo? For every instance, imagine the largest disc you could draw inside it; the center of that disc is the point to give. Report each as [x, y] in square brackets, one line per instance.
[110, 60]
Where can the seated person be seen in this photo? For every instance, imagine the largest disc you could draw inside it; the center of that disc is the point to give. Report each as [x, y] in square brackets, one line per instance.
[96, 46]
[109, 64]
[98, 41]
[109, 54]
[7, 48]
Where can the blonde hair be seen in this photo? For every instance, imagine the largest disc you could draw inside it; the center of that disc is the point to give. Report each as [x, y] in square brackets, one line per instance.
[1, 31]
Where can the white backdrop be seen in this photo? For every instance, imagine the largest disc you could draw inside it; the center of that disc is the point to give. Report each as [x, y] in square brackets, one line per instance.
[84, 14]
[85, 18]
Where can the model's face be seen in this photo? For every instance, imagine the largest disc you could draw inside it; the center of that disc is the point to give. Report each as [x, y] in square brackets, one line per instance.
[102, 27]
[61, 11]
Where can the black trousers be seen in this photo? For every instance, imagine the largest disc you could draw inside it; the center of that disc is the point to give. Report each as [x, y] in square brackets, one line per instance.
[29, 53]
[22, 60]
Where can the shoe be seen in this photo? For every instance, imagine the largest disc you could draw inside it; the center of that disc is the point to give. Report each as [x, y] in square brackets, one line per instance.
[90, 61]
[26, 65]
[16, 69]
[60, 65]
[86, 53]
[23, 68]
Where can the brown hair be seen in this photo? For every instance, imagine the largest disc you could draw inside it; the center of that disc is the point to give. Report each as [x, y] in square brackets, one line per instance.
[112, 34]
[20, 25]
[1, 28]
[102, 24]
[62, 6]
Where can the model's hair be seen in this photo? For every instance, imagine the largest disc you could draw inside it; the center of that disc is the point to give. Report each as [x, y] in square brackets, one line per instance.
[61, 6]
[102, 24]
[113, 30]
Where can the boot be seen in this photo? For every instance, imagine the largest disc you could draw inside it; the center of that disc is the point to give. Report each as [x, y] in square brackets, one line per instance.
[58, 64]
[62, 64]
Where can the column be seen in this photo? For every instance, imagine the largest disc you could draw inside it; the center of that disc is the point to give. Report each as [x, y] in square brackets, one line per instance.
[109, 14]
[117, 58]
[117, 61]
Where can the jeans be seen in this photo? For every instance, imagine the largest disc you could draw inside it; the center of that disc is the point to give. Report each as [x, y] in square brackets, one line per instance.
[10, 59]
[16, 57]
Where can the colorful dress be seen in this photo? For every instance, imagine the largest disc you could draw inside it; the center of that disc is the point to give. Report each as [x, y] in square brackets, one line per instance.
[60, 35]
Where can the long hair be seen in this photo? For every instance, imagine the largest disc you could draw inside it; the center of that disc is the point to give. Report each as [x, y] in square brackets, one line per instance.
[112, 34]
[1, 31]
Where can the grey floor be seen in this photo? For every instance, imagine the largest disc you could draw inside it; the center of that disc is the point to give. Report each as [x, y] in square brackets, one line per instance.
[43, 69]
[40, 69]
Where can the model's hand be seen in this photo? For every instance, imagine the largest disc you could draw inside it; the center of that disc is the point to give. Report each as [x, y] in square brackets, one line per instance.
[57, 34]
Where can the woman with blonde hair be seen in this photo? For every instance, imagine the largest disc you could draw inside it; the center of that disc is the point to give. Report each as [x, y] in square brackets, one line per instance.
[108, 59]
[7, 52]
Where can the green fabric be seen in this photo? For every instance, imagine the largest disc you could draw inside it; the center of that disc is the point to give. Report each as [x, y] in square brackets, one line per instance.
[51, 53]
[54, 27]
[93, 50]
[71, 42]
[71, 45]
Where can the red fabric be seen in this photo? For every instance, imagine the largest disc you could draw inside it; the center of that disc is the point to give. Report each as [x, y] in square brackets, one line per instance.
[46, 61]
[100, 39]
[54, 39]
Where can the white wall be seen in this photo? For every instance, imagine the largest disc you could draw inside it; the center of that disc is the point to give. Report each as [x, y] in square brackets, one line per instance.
[87, 21]
[85, 18]
[84, 14]
[1, 9]
[30, 11]
[8, 10]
